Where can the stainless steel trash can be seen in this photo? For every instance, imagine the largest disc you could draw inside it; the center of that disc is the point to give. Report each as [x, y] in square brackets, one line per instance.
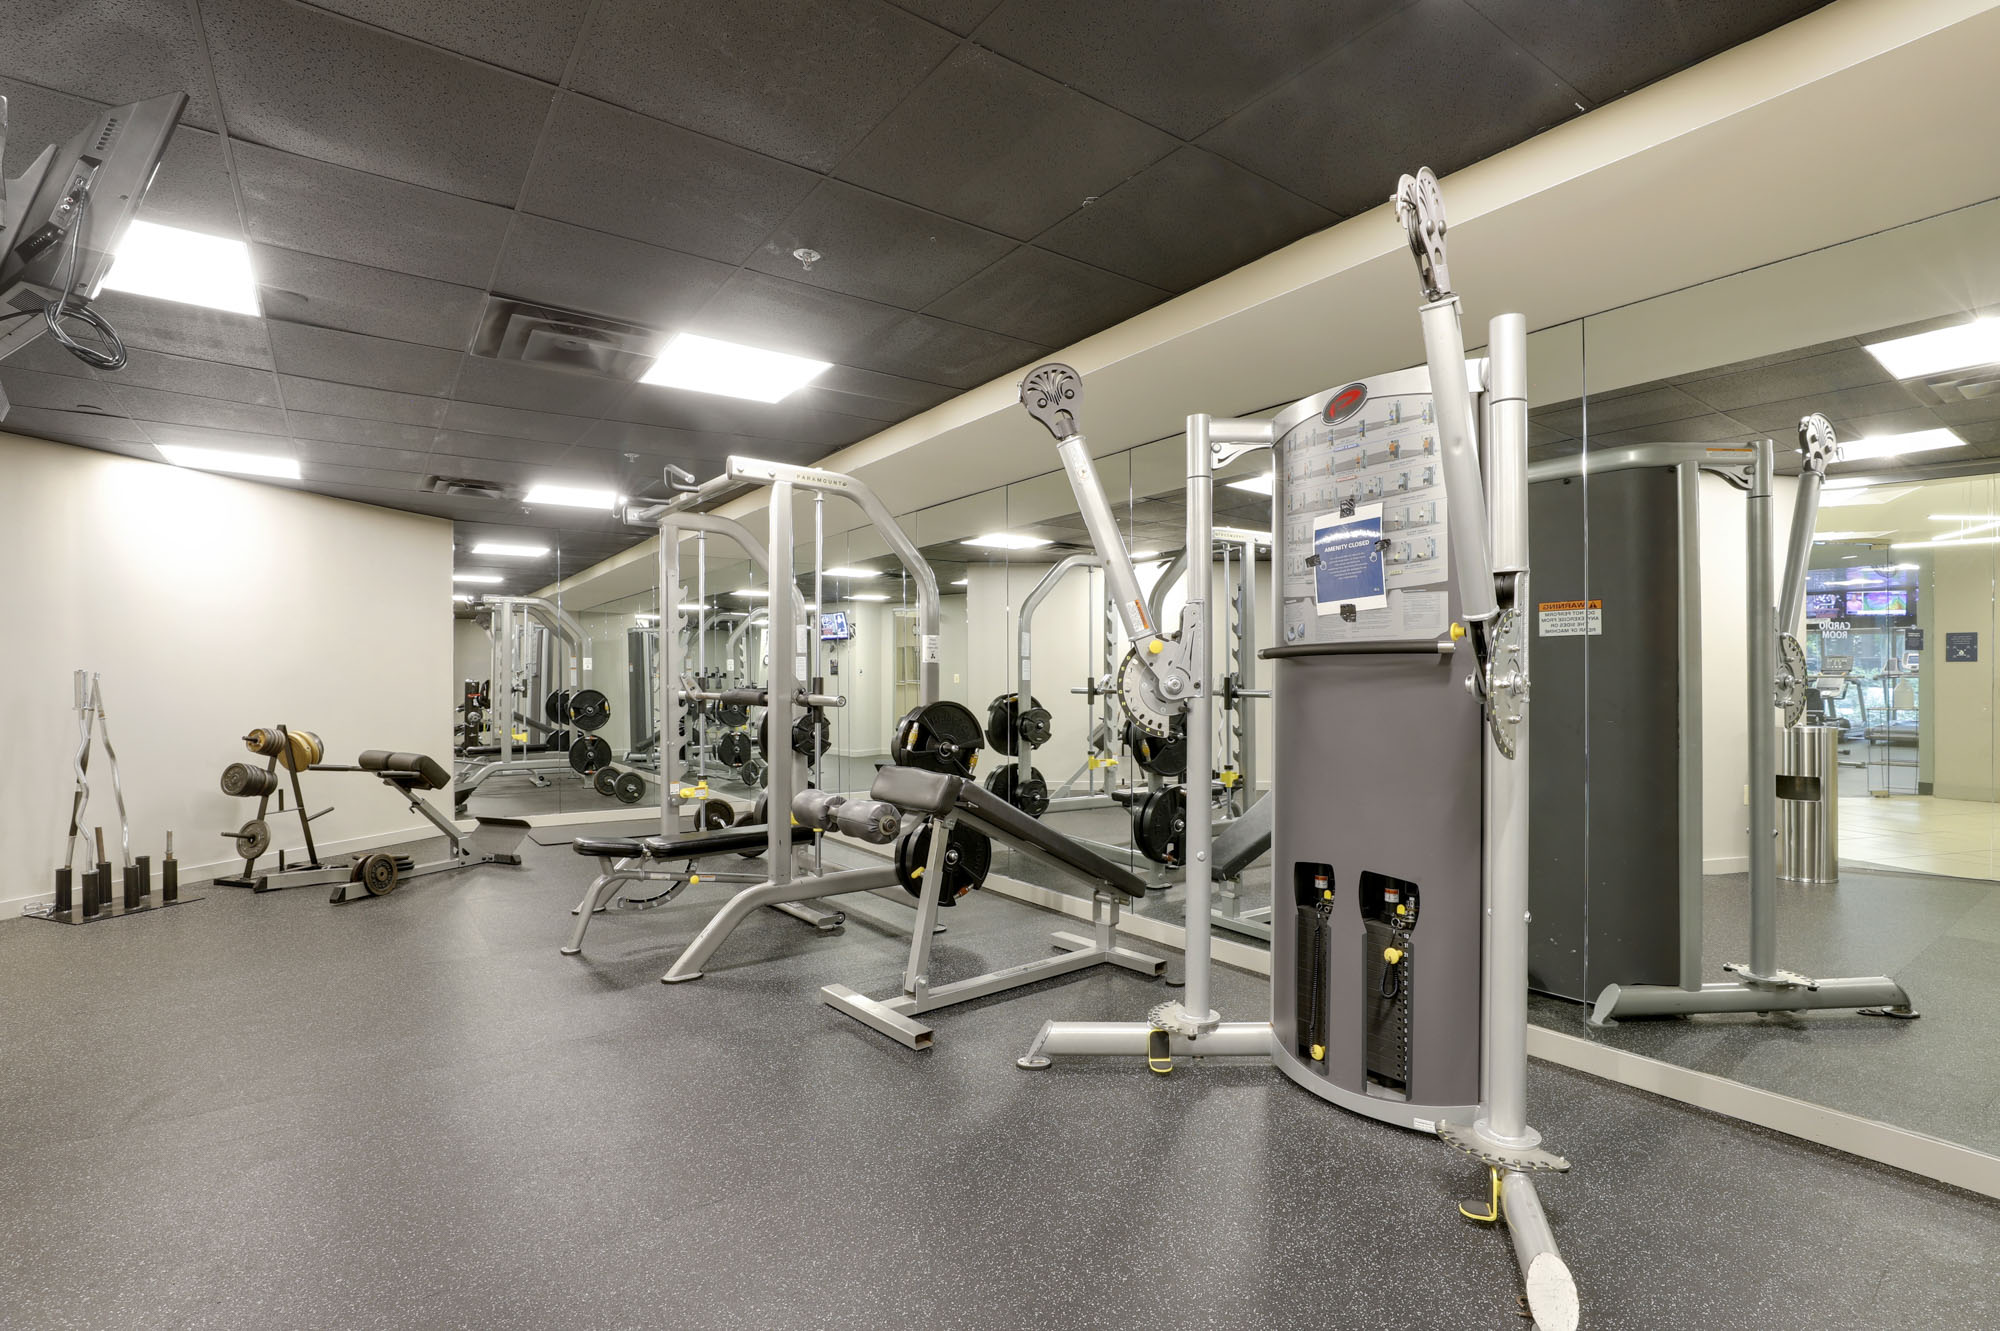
[1809, 805]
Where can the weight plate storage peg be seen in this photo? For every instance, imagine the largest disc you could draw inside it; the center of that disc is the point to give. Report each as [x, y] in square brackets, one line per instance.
[943, 736]
[377, 873]
[589, 753]
[968, 856]
[630, 788]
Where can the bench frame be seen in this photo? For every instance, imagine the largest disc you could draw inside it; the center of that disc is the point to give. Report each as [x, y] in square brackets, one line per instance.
[617, 872]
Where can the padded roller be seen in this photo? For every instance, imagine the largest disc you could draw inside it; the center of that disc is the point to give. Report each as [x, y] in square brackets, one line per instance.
[416, 764]
[816, 808]
[873, 821]
[742, 698]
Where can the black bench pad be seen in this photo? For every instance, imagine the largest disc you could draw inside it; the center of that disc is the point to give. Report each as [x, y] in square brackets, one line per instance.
[936, 794]
[730, 840]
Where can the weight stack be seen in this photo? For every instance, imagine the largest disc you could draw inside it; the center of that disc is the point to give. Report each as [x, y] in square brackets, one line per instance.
[1315, 947]
[1387, 1020]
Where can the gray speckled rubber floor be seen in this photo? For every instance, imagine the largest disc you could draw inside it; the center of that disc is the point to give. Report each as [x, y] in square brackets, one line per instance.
[267, 1112]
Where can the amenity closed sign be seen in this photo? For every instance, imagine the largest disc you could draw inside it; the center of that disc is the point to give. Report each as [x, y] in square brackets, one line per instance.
[1569, 619]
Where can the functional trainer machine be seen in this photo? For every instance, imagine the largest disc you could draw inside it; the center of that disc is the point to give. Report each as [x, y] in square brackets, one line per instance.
[1401, 807]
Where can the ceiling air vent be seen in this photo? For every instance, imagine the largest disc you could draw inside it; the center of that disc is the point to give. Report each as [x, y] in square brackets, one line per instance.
[1965, 385]
[515, 330]
[464, 487]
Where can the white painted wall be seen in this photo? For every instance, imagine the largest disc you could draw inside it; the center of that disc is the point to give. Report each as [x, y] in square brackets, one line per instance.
[208, 606]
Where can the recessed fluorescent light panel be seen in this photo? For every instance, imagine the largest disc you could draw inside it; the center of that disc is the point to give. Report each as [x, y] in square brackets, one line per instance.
[868, 596]
[1256, 485]
[709, 365]
[1944, 541]
[852, 572]
[571, 496]
[753, 593]
[960, 582]
[186, 266]
[1896, 445]
[1954, 348]
[510, 551]
[218, 459]
[1836, 537]
[475, 577]
[1007, 540]
[692, 606]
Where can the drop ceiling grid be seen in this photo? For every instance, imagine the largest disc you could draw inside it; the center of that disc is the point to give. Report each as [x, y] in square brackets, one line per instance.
[920, 331]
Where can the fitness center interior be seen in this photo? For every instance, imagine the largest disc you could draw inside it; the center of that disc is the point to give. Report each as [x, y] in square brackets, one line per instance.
[970, 663]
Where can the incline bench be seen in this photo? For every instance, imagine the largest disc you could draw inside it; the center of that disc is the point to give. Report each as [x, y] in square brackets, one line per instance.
[625, 860]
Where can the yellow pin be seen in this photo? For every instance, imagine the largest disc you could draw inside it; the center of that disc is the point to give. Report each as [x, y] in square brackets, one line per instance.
[1457, 631]
[1392, 955]
[1156, 647]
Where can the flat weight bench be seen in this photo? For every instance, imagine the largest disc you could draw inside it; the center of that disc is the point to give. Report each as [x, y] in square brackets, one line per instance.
[945, 802]
[624, 860]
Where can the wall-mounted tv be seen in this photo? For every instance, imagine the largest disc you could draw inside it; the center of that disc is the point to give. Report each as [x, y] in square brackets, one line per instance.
[1825, 605]
[833, 626]
[1885, 603]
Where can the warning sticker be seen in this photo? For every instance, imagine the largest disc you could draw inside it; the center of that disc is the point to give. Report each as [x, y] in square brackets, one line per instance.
[1569, 619]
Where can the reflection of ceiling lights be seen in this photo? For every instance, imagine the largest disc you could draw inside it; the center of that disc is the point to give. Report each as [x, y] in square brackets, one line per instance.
[1944, 541]
[219, 459]
[1976, 527]
[475, 577]
[753, 593]
[1256, 485]
[1863, 494]
[1837, 537]
[867, 596]
[1141, 556]
[852, 572]
[1897, 445]
[511, 551]
[961, 582]
[1965, 517]
[710, 365]
[571, 496]
[461, 596]
[1954, 348]
[646, 619]
[1007, 540]
[692, 606]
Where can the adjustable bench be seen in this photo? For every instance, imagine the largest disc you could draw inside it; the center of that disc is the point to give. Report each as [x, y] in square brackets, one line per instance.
[624, 860]
[946, 802]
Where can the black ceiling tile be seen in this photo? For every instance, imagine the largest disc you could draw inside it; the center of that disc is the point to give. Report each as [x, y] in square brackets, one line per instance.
[204, 378]
[918, 346]
[1907, 421]
[612, 170]
[1184, 66]
[536, 388]
[1604, 413]
[361, 455]
[45, 355]
[1981, 433]
[185, 330]
[961, 16]
[71, 426]
[330, 293]
[352, 358]
[1964, 413]
[1765, 361]
[1045, 298]
[1607, 47]
[192, 188]
[358, 430]
[873, 246]
[589, 272]
[532, 37]
[801, 80]
[604, 466]
[1344, 130]
[309, 82]
[148, 404]
[1540, 433]
[1186, 220]
[1711, 428]
[484, 418]
[494, 457]
[59, 392]
[377, 478]
[201, 436]
[334, 399]
[112, 51]
[654, 442]
[708, 413]
[1849, 367]
[299, 203]
[782, 315]
[991, 143]
[1782, 418]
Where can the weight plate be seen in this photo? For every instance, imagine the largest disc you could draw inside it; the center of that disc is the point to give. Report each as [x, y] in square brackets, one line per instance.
[630, 787]
[253, 838]
[752, 817]
[243, 779]
[1163, 755]
[1029, 794]
[1009, 726]
[1035, 725]
[943, 736]
[589, 753]
[475, 720]
[603, 782]
[558, 741]
[378, 873]
[589, 710]
[733, 749]
[305, 750]
[1000, 723]
[968, 856]
[555, 707]
[1159, 825]
[264, 743]
[732, 714]
[714, 815]
[754, 772]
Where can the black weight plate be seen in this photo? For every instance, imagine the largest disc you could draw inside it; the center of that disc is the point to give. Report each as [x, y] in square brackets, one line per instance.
[753, 817]
[1032, 795]
[1159, 826]
[552, 708]
[943, 736]
[968, 859]
[589, 710]
[603, 782]
[1164, 757]
[733, 749]
[253, 838]
[589, 753]
[812, 726]
[1035, 725]
[714, 815]
[630, 787]
[378, 874]
[558, 740]
[732, 714]
[754, 772]
[1000, 722]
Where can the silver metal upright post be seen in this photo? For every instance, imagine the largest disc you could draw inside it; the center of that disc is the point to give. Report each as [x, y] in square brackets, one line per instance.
[697, 735]
[1196, 584]
[1762, 629]
[669, 704]
[780, 683]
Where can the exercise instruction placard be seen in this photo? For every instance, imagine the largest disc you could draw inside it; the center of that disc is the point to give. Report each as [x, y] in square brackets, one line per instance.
[1569, 619]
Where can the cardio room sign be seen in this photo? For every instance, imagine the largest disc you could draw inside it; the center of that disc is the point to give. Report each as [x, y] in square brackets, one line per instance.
[1569, 619]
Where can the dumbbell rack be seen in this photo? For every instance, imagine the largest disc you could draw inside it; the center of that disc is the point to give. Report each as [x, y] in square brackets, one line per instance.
[253, 838]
